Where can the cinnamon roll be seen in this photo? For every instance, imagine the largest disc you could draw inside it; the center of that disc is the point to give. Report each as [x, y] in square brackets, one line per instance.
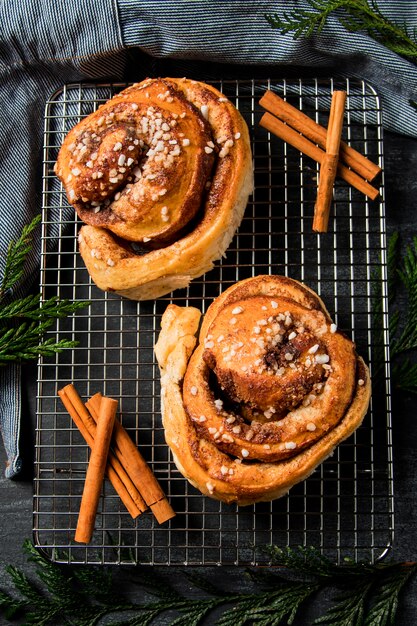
[160, 175]
[264, 396]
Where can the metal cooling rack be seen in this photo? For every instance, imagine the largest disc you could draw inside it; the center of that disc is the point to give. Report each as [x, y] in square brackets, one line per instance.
[346, 506]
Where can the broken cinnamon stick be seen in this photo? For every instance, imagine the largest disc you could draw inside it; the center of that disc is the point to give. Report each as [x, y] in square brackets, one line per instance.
[328, 166]
[302, 123]
[95, 471]
[138, 470]
[117, 475]
[291, 136]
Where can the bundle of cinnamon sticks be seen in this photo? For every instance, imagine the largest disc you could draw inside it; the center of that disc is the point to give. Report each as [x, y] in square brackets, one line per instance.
[114, 454]
[336, 158]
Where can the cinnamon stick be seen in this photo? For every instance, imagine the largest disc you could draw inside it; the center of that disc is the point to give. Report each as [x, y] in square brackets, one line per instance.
[328, 166]
[117, 475]
[317, 134]
[138, 470]
[95, 471]
[291, 136]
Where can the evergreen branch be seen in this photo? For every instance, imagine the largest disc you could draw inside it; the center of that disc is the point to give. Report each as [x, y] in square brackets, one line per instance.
[306, 560]
[404, 374]
[85, 595]
[273, 607]
[16, 257]
[144, 618]
[23, 321]
[394, 320]
[393, 257]
[302, 22]
[355, 16]
[31, 307]
[10, 606]
[192, 615]
[350, 609]
[369, 19]
[95, 580]
[309, 561]
[386, 601]
[408, 276]
[401, 272]
[50, 575]
[244, 610]
[42, 610]
[25, 342]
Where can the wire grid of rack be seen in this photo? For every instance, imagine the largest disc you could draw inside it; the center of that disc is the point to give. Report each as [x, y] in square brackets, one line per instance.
[346, 505]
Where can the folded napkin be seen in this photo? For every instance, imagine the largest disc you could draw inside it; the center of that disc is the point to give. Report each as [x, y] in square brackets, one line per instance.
[44, 46]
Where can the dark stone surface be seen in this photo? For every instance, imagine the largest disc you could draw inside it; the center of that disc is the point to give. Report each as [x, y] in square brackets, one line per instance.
[401, 207]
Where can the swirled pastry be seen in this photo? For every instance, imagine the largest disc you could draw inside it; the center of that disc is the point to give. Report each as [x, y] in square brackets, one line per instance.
[267, 394]
[161, 175]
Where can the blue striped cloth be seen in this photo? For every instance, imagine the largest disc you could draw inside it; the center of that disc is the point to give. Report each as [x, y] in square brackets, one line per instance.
[45, 44]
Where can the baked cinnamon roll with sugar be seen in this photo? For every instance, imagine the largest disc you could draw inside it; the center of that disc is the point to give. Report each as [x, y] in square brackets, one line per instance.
[160, 175]
[267, 394]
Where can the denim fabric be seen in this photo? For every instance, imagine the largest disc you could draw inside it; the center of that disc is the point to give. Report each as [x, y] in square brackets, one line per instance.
[229, 31]
[44, 44]
[10, 407]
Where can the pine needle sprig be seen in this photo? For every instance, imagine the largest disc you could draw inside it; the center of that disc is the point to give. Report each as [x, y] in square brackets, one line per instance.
[405, 376]
[25, 320]
[69, 592]
[355, 16]
[272, 607]
[145, 618]
[310, 562]
[304, 559]
[351, 607]
[371, 602]
[368, 594]
[393, 261]
[50, 575]
[362, 16]
[192, 612]
[402, 271]
[16, 258]
[25, 342]
[408, 276]
[386, 602]
[32, 307]
[401, 276]
[10, 607]
[302, 22]
[42, 609]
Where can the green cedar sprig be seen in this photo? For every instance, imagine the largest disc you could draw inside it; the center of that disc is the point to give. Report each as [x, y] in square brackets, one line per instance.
[367, 593]
[24, 320]
[355, 16]
[16, 258]
[402, 271]
[401, 276]
[407, 273]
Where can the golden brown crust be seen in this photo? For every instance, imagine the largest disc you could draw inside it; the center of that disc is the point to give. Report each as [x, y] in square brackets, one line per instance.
[225, 449]
[161, 175]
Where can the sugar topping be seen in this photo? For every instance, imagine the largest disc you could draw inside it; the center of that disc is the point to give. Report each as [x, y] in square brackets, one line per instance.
[290, 445]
